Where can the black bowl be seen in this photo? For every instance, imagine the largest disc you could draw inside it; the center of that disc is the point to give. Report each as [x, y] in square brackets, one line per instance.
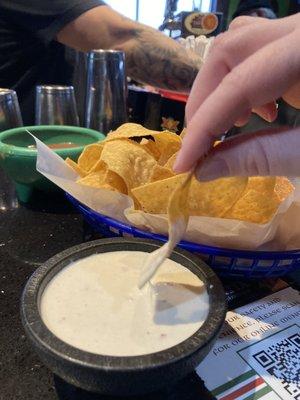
[120, 375]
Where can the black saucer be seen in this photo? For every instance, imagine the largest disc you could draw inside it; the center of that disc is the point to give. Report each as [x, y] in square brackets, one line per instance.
[189, 388]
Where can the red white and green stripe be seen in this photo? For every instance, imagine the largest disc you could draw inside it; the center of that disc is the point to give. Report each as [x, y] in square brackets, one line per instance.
[248, 386]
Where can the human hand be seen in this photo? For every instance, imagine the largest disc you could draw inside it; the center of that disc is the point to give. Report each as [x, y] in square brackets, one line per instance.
[249, 67]
[268, 152]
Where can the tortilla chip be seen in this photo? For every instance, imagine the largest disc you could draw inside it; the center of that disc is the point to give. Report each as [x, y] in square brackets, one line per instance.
[160, 173]
[115, 181]
[215, 198]
[129, 130]
[169, 164]
[212, 199]
[259, 202]
[100, 166]
[168, 143]
[90, 155]
[94, 179]
[75, 167]
[178, 217]
[128, 160]
[178, 205]
[108, 187]
[151, 147]
[153, 197]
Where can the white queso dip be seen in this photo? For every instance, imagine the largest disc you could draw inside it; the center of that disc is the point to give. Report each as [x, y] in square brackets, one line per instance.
[94, 304]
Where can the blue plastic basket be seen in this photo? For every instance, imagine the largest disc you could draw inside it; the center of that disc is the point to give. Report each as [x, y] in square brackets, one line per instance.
[226, 262]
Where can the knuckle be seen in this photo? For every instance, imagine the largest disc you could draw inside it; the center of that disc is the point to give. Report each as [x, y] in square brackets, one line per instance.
[220, 41]
[238, 22]
[224, 49]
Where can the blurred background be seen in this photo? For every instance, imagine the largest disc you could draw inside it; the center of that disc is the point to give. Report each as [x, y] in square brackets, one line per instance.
[152, 13]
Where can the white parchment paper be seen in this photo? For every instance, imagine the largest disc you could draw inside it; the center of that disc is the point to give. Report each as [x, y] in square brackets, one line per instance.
[281, 233]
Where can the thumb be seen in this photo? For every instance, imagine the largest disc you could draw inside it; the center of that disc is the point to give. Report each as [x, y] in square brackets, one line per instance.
[264, 153]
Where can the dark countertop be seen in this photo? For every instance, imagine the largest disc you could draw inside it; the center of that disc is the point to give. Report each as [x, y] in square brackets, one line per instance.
[29, 236]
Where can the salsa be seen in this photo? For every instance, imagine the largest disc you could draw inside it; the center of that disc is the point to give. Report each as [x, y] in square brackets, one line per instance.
[63, 145]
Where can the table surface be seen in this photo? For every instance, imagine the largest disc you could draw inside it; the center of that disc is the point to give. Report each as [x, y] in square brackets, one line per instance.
[28, 237]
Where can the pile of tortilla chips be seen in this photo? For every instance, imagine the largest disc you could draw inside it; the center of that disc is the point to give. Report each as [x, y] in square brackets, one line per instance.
[138, 162]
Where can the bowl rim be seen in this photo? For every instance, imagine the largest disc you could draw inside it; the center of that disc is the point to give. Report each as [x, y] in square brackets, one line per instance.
[23, 151]
[43, 337]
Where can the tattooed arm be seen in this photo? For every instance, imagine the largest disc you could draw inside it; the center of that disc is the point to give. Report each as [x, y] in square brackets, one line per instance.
[155, 59]
[151, 57]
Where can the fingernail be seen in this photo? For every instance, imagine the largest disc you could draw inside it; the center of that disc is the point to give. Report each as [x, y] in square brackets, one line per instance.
[212, 169]
[270, 117]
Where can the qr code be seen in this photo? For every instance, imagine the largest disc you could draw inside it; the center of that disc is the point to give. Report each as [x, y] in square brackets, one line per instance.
[282, 360]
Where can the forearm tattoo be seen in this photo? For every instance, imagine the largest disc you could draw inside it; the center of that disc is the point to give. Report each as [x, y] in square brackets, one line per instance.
[160, 64]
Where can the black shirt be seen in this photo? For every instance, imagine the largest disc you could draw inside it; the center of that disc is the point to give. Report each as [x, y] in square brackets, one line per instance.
[29, 54]
[247, 5]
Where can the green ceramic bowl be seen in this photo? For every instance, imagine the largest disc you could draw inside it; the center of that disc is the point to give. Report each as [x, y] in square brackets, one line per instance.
[19, 161]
